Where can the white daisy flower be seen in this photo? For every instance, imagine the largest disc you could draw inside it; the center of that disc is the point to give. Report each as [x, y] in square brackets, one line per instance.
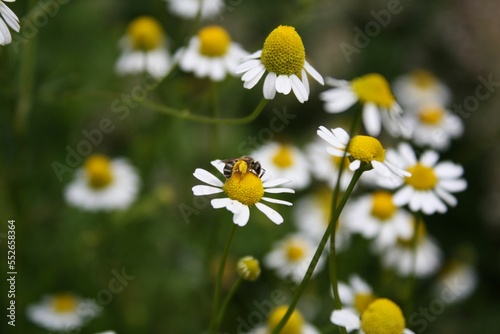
[144, 49]
[284, 58]
[325, 167]
[312, 216]
[381, 316]
[8, 19]
[244, 189]
[211, 54]
[375, 216]
[356, 295]
[402, 257]
[285, 160]
[189, 9]
[103, 184]
[430, 185]
[421, 87]
[379, 105]
[291, 256]
[62, 312]
[456, 282]
[296, 323]
[361, 149]
[434, 126]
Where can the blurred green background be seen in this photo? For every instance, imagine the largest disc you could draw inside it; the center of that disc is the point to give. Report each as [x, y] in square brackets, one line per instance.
[63, 76]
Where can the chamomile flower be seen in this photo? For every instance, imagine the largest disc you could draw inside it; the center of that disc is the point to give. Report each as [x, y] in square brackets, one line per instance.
[291, 256]
[211, 53]
[425, 260]
[285, 160]
[361, 149]
[283, 56]
[144, 49]
[295, 325]
[421, 87]
[244, 189]
[312, 216]
[375, 216]
[189, 9]
[434, 126]
[379, 105]
[248, 268]
[62, 312]
[431, 183]
[356, 295]
[103, 184]
[325, 167]
[381, 316]
[8, 19]
[456, 281]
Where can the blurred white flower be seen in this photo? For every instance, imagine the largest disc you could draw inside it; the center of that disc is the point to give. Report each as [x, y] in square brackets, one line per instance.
[189, 9]
[296, 324]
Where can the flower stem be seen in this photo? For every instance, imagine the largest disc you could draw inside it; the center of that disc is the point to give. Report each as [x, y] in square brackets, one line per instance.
[228, 298]
[187, 115]
[319, 251]
[218, 281]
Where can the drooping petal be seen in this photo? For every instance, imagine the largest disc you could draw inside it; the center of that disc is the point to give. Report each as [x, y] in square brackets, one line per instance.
[353, 166]
[272, 214]
[241, 217]
[277, 201]
[298, 89]
[252, 82]
[371, 119]
[283, 84]
[247, 66]
[339, 100]
[218, 203]
[315, 74]
[269, 88]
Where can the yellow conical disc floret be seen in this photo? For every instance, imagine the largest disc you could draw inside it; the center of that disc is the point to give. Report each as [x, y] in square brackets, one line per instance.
[145, 33]
[373, 88]
[366, 149]
[283, 52]
[383, 317]
[294, 324]
[98, 171]
[283, 157]
[243, 185]
[64, 303]
[248, 268]
[362, 301]
[422, 177]
[214, 41]
[382, 206]
[431, 115]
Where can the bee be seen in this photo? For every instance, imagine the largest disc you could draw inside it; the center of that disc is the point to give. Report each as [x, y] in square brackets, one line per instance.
[253, 166]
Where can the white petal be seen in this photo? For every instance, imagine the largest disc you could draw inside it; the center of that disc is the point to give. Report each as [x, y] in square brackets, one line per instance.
[283, 84]
[251, 83]
[407, 331]
[446, 196]
[346, 294]
[381, 169]
[277, 201]
[247, 65]
[275, 182]
[305, 81]
[429, 158]
[359, 285]
[269, 88]
[346, 318]
[254, 55]
[312, 71]
[371, 119]
[298, 89]
[252, 73]
[448, 170]
[241, 218]
[218, 203]
[279, 190]
[453, 185]
[403, 195]
[219, 164]
[205, 190]
[341, 135]
[407, 152]
[336, 82]
[341, 101]
[272, 214]
[207, 177]
[354, 165]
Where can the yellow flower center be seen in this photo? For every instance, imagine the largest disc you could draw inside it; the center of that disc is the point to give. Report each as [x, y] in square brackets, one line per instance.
[283, 52]
[98, 170]
[248, 268]
[294, 324]
[145, 33]
[362, 301]
[366, 149]
[373, 88]
[431, 115]
[64, 303]
[295, 251]
[421, 233]
[423, 78]
[214, 41]
[382, 206]
[383, 317]
[284, 157]
[243, 185]
[422, 177]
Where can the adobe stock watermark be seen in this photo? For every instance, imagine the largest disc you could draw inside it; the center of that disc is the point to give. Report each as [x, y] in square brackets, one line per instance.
[453, 290]
[362, 38]
[94, 137]
[37, 18]
[483, 91]
[229, 6]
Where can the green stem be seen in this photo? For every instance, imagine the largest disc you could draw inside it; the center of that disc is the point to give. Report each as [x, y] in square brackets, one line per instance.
[187, 115]
[216, 114]
[228, 298]
[319, 251]
[218, 282]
